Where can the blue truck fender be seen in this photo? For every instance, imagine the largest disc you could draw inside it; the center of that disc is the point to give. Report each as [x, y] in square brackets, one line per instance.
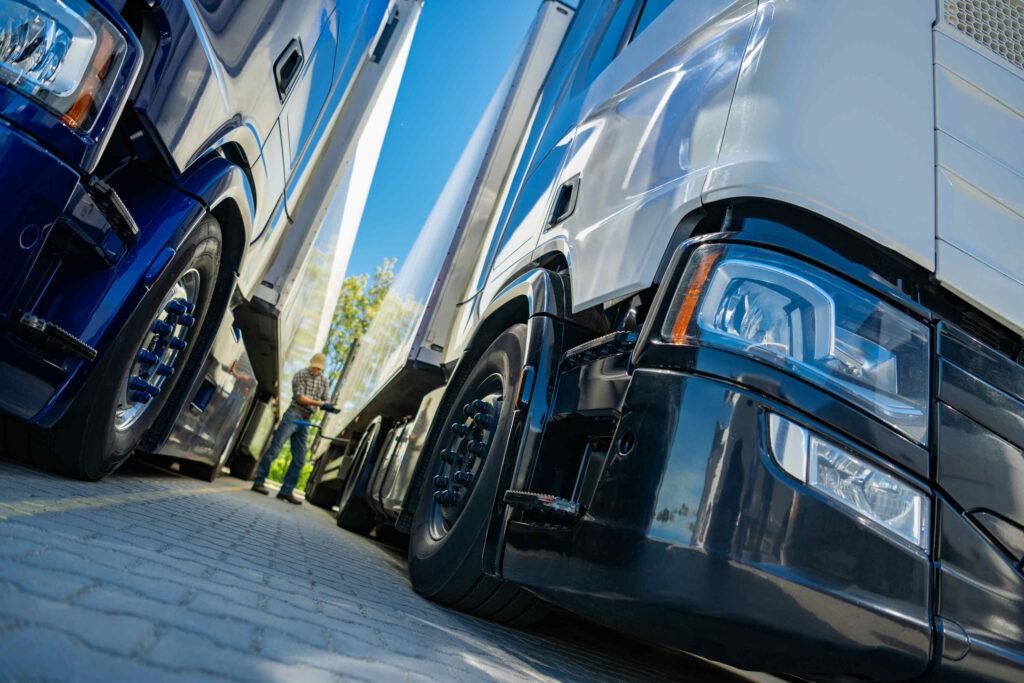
[226, 191]
[166, 214]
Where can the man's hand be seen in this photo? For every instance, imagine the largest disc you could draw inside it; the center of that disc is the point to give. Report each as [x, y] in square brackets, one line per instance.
[330, 408]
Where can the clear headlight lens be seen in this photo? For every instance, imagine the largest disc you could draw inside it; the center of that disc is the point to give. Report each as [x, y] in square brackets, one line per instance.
[61, 53]
[876, 496]
[805, 320]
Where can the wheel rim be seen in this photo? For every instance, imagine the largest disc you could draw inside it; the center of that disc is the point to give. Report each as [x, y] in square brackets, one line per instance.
[465, 446]
[160, 353]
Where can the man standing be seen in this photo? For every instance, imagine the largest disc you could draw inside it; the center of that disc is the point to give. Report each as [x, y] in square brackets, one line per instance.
[309, 392]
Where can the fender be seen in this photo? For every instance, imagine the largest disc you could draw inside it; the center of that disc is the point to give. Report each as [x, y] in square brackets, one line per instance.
[165, 217]
[226, 191]
[536, 292]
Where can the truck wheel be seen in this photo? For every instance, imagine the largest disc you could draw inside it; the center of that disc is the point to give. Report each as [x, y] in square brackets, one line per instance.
[199, 470]
[449, 525]
[243, 467]
[354, 513]
[126, 392]
[321, 496]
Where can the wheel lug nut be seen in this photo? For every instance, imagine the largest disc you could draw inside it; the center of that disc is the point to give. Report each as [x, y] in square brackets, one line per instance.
[475, 447]
[153, 390]
[179, 306]
[177, 343]
[460, 429]
[162, 327]
[186, 320]
[440, 482]
[147, 357]
[468, 410]
[481, 407]
[447, 456]
[136, 383]
[439, 497]
[449, 498]
[482, 421]
[164, 369]
[463, 478]
[139, 396]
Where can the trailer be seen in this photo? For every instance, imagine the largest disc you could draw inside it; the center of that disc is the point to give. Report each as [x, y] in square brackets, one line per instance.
[183, 181]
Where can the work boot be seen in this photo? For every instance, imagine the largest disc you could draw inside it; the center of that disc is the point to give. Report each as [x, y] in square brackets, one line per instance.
[290, 498]
[260, 488]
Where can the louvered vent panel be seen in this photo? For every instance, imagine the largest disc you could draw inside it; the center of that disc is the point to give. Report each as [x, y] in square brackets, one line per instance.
[996, 24]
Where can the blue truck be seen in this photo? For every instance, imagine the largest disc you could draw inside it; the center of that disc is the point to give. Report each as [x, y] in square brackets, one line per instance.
[171, 173]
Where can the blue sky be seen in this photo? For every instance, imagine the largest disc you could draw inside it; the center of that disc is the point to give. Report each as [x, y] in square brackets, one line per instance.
[459, 54]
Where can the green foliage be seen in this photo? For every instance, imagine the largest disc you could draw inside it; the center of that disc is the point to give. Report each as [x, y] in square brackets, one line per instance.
[360, 297]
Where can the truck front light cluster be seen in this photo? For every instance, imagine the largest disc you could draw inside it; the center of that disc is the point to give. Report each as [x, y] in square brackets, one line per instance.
[809, 322]
[876, 497]
[61, 53]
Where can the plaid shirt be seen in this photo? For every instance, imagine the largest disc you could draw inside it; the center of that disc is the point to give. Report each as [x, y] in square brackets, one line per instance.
[305, 384]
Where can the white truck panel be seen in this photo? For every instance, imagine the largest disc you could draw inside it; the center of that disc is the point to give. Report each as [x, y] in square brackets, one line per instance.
[651, 127]
[833, 112]
[979, 115]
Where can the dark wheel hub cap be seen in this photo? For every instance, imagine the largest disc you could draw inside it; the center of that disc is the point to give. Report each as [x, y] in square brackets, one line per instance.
[465, 446]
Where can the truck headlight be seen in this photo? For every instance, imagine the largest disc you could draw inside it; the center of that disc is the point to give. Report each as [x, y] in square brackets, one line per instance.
[61, 53]
[877, 497]
[818, 326]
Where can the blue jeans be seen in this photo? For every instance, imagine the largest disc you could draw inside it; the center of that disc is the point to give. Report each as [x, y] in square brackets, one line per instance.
[299, 435]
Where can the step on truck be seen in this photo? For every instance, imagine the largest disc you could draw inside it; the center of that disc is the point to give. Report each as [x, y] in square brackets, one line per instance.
[174, 177]
[722, 346]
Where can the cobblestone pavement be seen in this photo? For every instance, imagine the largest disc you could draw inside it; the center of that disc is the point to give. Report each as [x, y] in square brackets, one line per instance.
[153, 576]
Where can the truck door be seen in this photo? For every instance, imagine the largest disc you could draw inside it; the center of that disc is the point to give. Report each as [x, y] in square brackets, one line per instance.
[303, 75]
[308, 121]
[527, 209]
[657, 89]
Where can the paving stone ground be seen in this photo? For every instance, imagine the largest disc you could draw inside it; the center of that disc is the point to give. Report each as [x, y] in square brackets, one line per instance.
[152, 576]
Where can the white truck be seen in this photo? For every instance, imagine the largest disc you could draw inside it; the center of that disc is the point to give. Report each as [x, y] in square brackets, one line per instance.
[725, 349]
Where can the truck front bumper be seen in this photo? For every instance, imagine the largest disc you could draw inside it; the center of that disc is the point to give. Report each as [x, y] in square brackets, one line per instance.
[695, 538]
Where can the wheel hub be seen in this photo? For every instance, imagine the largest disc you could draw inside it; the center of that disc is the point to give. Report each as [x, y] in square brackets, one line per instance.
[157, 358]
[466, 445]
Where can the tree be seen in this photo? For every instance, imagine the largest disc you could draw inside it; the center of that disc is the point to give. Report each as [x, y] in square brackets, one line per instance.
[360, 297]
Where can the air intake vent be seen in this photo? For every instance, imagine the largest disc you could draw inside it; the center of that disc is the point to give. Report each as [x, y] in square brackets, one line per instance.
[996, 24]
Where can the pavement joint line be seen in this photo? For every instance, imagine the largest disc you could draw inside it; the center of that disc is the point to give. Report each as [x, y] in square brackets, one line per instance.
[28, 508]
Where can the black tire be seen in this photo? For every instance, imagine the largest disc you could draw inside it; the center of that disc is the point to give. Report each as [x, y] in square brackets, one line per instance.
[321, 496]
[85, 443]
[445, 555]
[199, 470]
[243, 466]
[354, 513]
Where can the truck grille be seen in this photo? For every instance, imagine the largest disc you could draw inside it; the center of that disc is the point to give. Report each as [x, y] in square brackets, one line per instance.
[996, 24]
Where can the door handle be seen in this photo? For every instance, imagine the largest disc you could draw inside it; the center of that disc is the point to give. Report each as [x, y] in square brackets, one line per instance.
[565, 201]
[287, 68]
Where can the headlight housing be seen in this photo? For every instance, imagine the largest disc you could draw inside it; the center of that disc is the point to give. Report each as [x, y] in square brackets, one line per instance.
[877, 497]
[61, 53]
[809, 322]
